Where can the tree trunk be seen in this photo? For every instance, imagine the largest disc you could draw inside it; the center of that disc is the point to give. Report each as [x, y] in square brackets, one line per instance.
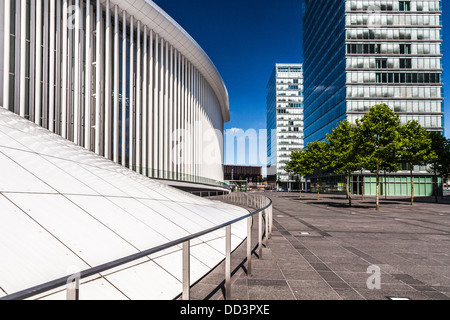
[346, 189]
[435, 187]
[300, 187]
[349, 189]
[378, 183]
[318, 188]
[362, 185]
[412, 183]
[385, 185]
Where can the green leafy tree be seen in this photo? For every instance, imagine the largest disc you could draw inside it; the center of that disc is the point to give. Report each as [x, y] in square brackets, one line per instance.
[415, 148]
[390, 164]
[344, 157]
[440, 162]
[317, 157]
[378, 139]
[299, 165]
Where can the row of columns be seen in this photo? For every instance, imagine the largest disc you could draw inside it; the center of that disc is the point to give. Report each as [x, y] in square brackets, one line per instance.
[111, 84]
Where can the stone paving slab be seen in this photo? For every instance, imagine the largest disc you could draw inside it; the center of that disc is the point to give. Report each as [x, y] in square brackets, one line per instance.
[409, 244]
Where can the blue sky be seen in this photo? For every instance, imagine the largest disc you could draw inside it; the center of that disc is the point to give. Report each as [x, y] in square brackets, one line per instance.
[245, 38]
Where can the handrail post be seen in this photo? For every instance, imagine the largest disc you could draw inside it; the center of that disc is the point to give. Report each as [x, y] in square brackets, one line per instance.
[228, 264]
[271, 220]
[260, 234]
[266, 216]
[249, 246]
[73, 288]
[186, 270]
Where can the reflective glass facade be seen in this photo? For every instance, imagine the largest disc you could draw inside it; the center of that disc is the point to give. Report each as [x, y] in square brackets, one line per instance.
[361, 53]
[324, 67]
[284, 117]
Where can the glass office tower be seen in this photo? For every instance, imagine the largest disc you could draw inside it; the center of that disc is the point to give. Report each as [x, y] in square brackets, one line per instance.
[284, 121]
[359, 53]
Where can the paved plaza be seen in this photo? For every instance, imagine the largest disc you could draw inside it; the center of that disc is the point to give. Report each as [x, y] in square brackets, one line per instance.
[325, 250]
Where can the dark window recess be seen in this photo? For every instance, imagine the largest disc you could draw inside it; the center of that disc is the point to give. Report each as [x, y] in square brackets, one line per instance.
[364, 48]
[381, 63]
[391, 77]
[405, 63]
[405, 49]
[404, 5]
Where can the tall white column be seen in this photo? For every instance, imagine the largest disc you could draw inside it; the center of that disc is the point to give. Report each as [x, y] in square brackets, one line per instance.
[144, 103]
[151, 116]
[51, 79]
[180, 116]
[63, 129]
[131, 99]
[124, 87]
[58, 67]
[116, 85]
[138, 98]
[77, 76]
[6, 46]
[166, 112]
[45, 64]
[88, 78]
[70, 65]
[185, 119]
[171, 115]
[98, 80]
[23, 62]
[176, 114]
[189, 119]
[108, 82]
[194, 121]
[156, 127]
[161, 112]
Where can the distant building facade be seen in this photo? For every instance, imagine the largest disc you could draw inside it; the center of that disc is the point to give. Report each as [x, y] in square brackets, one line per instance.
[249, 173]
[361, 53]
[284, 120]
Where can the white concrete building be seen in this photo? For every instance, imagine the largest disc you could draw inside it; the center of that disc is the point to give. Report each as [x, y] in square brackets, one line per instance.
[120, 78]
[284, 120]
[64, 209]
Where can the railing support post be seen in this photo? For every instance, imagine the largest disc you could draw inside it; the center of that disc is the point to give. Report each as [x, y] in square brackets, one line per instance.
[249, 246]
[228, 264]
[73, 288]
[271, 221]
[260, 233]
[266, 217]
[186, 270]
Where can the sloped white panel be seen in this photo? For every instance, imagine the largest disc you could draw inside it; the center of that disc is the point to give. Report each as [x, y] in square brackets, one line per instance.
[99, 289]
[14, 178]
[29, 252]
[146, 281]
[64, 208]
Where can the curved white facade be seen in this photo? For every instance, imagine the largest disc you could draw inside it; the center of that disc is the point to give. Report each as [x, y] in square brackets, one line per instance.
[120, 78]
[64, 209]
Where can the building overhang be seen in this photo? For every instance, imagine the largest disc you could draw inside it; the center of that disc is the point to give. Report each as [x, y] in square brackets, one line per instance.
[166, 27]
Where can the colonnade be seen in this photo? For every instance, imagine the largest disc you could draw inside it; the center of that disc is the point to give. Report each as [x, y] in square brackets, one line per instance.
[94, 74]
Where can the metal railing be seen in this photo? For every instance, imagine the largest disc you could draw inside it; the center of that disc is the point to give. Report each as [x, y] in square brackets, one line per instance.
[263, 206]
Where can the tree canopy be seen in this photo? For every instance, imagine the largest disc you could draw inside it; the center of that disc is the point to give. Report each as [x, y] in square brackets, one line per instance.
[376, 142]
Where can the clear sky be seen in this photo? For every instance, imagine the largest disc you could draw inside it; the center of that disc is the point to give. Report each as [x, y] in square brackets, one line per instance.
[245, 38]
